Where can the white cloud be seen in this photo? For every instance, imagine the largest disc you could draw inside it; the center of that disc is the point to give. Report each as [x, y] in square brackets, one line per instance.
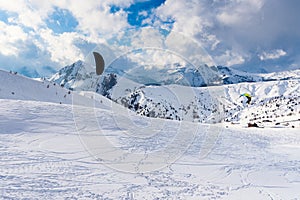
[10, 38]
[61, 47]
[156, 58]
[193, 20]
[205, 20]
[146, 37]
[188, 48]
[275, 54]
[210, 40]
[229, 58]
[96, 20]
[239, 12]
[187, 15]
[143, 13]
[27, 25]
[27, 14]
[94, 17]
[230, 31]
[154, 47]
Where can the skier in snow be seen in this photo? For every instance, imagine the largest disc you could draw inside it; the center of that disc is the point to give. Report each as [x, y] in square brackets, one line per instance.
[248, 96]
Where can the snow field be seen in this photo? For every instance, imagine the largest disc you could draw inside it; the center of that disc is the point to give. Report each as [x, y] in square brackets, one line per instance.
[44, 156]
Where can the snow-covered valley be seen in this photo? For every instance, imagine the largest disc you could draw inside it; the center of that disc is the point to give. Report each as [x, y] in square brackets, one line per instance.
[52, 146]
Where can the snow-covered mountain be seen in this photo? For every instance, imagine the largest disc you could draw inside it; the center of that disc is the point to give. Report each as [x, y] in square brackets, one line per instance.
[233, 76]
[75, 77]
[14, 86]
[45, 155]
[78, 76]
[179, 101]
[162, 99]
[274, 103]
[169, 74]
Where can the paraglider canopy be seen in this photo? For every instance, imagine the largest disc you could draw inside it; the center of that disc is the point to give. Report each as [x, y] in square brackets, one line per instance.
[246, 95]
[99, 63]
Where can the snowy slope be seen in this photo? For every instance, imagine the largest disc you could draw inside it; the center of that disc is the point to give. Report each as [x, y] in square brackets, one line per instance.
[276, 100]
[274, 103]
[46, 151]
[42, 157]
[13, 86]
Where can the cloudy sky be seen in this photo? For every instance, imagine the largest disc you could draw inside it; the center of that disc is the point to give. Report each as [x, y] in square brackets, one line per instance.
[254, 35]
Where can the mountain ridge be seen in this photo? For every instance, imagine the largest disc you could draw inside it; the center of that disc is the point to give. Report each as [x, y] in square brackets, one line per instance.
[203, 104]
[274, 101]
[224, 74]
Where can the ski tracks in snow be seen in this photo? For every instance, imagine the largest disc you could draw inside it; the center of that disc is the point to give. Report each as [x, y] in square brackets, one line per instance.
[42, 157]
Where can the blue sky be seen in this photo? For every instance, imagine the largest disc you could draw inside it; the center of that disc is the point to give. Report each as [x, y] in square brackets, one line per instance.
[253, 35]
[61, 20]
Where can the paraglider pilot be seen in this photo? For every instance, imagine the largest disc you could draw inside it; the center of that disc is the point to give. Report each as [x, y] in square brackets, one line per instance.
[248, 96]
